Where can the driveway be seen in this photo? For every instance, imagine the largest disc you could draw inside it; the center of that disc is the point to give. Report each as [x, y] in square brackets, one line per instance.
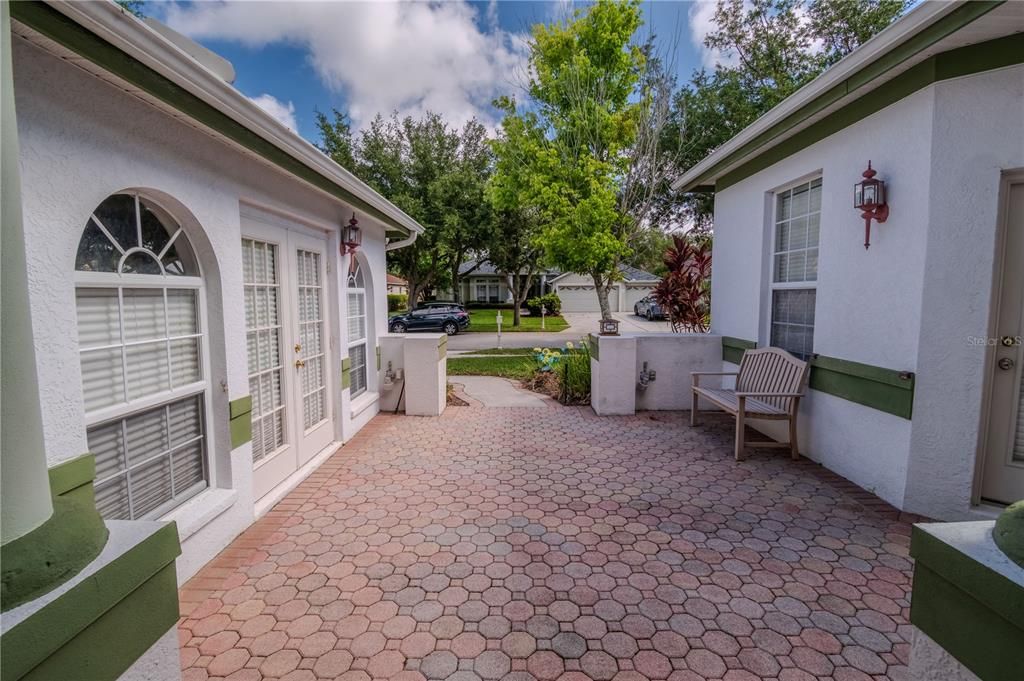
[581, 324]
[522, 544]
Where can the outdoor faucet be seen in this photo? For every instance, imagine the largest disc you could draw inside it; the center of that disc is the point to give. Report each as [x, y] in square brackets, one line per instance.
[646, 376]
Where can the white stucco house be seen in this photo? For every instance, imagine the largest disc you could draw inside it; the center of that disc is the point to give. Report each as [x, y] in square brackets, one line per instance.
[578, 294]
[482, 282]
[916, 389]
[199, 326]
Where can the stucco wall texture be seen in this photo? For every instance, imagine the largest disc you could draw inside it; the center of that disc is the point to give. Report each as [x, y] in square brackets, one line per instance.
[909, 302]
[82, 139]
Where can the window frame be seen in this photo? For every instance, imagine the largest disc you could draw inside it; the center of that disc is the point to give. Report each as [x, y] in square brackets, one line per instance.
[773, 233]
[351, 290]
[124, 411]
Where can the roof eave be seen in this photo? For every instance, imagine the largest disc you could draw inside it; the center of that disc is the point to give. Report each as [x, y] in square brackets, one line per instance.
[108, 22]
[700, 178]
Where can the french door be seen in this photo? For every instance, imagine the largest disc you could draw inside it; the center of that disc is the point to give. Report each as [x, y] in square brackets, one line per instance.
[284, 274]
[1003, 476]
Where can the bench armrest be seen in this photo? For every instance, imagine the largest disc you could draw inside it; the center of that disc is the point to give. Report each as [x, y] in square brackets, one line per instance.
[769, 394]
[694, 375]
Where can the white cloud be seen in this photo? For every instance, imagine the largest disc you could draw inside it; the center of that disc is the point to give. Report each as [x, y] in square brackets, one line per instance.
[283, 112]
[383, 56]
[702, 22]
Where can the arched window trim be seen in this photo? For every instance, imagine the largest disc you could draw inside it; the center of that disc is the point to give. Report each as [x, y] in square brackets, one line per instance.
[172, 396]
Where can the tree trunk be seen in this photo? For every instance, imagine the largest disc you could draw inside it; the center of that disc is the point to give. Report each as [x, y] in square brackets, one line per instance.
[415, 289]
[601, 286]
[456, 283]
[520, 291]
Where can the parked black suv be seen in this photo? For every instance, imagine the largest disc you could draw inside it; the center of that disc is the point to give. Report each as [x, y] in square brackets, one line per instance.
[448, 317]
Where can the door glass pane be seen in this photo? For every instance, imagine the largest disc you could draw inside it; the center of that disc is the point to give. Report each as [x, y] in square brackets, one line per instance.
[263, 341]
[312, 376]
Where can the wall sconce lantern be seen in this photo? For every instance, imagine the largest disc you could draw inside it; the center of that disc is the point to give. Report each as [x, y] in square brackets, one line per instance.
[351, 237]
[869, 199]
[609, 327]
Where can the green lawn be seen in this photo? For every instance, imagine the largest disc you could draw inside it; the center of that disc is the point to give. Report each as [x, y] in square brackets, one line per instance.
[482, 321]
[507, 367]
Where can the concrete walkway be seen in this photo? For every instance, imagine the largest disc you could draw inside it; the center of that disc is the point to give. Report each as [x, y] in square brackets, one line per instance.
[581, 324]
[491, 391]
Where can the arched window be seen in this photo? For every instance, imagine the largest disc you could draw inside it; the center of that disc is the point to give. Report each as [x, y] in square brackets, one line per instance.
[357, 334]
[139, 299]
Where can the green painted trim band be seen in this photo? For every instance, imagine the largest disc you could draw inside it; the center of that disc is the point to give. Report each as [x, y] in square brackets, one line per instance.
[883, 389]
[346, 373]
[378, 358]
[54, 25]
[991, 589]
[28, 645]
[595, 347]
[72, 474]
[733, 348]
[240, 420]
[981, 640]
[880, 97]
[90, 655]
[51, 554]
[240, 407]
[442, 348]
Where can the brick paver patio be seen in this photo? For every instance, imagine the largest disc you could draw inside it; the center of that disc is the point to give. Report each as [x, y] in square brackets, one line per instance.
[552, 544]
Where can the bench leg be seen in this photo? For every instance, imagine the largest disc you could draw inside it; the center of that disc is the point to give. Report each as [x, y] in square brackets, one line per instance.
[693, 408]
[740, 425]
[794, 447]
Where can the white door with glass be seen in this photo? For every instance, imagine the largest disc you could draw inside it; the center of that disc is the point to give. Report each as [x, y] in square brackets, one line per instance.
[284, 274]
[1003, 474]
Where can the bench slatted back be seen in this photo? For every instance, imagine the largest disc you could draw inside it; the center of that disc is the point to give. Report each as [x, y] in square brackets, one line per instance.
[771, 370]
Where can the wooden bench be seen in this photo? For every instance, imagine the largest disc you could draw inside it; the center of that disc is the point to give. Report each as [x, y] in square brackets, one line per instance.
[769, 385]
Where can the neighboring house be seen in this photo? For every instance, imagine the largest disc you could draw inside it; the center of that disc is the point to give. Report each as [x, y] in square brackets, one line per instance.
[188, 318]
[914, 395]
[578, 294]
[397, 285]
[483, 283]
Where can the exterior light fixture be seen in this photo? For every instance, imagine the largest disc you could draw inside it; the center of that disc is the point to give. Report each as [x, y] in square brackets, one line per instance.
[609, 327]
[351, 237]
[869, 199]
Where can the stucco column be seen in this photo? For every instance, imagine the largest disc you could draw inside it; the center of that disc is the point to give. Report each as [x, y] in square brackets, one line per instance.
[25, 502]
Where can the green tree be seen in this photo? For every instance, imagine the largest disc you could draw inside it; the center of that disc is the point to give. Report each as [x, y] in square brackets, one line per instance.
[779, 46]
[434, 172]
[571, 139]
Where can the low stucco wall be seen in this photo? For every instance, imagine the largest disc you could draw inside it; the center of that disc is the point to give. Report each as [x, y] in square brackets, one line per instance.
[616, 365]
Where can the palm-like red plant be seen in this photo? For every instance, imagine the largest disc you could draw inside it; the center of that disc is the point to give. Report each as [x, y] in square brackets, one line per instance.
[684, 294]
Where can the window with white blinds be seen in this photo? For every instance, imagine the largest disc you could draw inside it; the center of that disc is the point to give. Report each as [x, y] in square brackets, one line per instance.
[795, 267]
[138, 302]
[357, 336]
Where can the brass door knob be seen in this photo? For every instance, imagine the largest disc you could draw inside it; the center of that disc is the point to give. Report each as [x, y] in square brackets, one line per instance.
[299, 363]
[298, 348]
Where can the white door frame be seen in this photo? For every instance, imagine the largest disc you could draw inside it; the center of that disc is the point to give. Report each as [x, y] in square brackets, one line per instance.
[301, 444]
[993, 352]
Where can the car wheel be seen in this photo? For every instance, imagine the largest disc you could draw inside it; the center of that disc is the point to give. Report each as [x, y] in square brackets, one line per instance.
[636, 310]
[650, 315]
[451, 328]
[398, 327]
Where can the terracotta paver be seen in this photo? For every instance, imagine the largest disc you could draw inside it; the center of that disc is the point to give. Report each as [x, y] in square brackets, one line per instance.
[552, 544]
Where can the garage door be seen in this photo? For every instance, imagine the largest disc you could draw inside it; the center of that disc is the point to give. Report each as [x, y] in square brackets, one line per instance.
[584, 299]
[633, 294]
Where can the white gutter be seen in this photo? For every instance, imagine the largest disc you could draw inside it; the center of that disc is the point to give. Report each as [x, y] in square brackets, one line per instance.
[122, 30]
[402, 243]
[913, 22]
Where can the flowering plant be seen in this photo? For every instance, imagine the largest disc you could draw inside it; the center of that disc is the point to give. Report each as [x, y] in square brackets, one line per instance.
[547, 358]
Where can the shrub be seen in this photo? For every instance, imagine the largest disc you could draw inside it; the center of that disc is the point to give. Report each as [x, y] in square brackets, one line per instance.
[398, 302]
[685, 292]
[574, 372]
[551, 301]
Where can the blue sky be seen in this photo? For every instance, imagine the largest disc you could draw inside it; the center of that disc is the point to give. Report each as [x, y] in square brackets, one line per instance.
[454, 57]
